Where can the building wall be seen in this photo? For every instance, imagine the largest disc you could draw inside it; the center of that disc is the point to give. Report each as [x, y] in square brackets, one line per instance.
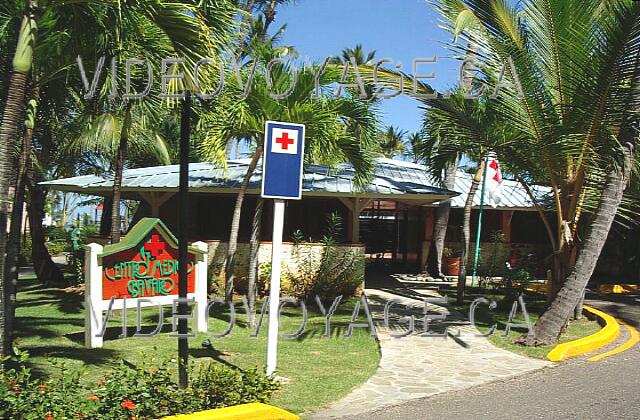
[296, 259]
[408, 240]
[493, 257]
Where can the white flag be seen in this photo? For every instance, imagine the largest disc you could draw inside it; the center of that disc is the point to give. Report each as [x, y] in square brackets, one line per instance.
[493, 183]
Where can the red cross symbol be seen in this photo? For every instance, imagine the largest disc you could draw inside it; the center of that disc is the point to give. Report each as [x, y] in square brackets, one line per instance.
[285, 141]
[155, 246]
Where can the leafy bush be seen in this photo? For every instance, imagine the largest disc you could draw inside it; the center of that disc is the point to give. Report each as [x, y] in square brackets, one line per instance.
[339, 273]
[142, 392]
[57, 233]
[515, 281]
[58, 247]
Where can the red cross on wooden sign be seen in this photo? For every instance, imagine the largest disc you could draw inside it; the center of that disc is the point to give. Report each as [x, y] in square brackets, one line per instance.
[149, 268]
[155, 246]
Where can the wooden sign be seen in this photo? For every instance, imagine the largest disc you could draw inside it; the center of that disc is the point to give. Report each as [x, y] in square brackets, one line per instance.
[141, 270]
[148, 269]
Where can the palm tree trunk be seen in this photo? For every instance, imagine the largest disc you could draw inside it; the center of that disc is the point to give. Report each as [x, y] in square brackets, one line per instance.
[46, 270]
[466, 234]
[242, 46]
[14, 243]
[550, 325]
[235, 225]
[254, 247]
[434, 265]
[117, 181]
[105, 218]
[269, 16]
[14, 107]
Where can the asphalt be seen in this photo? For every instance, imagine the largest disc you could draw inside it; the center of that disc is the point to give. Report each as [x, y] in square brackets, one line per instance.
[575, 389]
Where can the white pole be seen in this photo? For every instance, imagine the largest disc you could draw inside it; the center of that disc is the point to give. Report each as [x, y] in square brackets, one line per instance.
[92, 297]
[274, 288]
[202, 298]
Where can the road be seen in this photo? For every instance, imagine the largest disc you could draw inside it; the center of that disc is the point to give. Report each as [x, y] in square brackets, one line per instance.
[576, 389]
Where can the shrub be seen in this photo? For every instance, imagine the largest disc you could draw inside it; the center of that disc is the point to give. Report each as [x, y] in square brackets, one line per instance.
[57, 247]
[339, 273]
[145, 391]
[57, 233]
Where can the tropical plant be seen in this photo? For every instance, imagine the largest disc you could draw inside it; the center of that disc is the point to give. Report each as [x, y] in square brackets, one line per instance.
[337, 129]
[339, 272]
[412, 148]
[440, 224]
[392, 141]
[573, 72]
[150, 33]
[45, 59]
[145, 391]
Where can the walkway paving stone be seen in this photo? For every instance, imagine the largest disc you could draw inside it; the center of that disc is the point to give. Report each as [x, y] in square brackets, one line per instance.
[415, 367]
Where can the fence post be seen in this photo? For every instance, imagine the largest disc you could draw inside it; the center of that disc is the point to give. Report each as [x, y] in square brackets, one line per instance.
[92, 296]
[201, 292]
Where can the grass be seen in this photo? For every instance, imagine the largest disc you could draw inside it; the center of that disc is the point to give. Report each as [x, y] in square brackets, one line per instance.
[50, 325]
[485, 318]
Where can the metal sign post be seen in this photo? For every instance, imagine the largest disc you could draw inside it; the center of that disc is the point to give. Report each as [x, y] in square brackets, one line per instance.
[281, 180]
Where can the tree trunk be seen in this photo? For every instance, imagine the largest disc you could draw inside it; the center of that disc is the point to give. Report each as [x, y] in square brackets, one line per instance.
[15, 232]
[14, 106]
[105, 219]
[242, 46]
[46, 270]
[549, 326]
[434, 265]
[235, 226]
[254, 247]
[269, 17]
[117, 180]
[577, 312]
[466, 234]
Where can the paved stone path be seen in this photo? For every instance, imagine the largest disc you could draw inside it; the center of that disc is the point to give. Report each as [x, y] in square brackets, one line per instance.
[416, 367]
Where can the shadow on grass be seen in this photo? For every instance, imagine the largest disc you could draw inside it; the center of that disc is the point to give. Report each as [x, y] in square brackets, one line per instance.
[212, 353]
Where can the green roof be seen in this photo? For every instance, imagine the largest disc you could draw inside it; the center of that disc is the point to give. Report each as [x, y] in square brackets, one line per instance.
[140, 231]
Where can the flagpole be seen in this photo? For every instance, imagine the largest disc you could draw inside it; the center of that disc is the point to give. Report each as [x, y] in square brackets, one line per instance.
[479, 229]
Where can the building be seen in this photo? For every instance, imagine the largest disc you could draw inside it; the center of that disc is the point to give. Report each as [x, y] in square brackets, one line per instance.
[391, 220]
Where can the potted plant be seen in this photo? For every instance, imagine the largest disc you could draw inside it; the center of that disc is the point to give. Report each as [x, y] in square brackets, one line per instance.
[450, 262]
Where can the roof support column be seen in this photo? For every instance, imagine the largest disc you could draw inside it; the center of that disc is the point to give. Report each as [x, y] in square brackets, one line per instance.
[507, 215]
[155, 199]
[355, 206]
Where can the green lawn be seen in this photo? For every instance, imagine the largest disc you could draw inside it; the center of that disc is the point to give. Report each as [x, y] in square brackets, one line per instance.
[534, 303]
[50, 324]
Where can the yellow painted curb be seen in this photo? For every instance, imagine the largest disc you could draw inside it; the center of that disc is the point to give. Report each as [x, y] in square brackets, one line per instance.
[252, 411]
[537, 288]
[606, 335]
[619, 288]
[635, 338]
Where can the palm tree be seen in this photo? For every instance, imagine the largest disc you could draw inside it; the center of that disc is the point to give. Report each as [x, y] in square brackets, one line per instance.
[577, 65]
[392, 141]
[167, 31]
[359, 55]
[446, 142]
[16, 91]
[337, 129]
[412, 148]
[180, 25]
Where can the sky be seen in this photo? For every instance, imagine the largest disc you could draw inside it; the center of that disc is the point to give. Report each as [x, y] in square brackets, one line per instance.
[402, 30]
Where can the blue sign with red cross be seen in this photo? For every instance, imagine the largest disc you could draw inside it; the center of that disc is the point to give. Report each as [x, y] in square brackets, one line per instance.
[283, 160]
